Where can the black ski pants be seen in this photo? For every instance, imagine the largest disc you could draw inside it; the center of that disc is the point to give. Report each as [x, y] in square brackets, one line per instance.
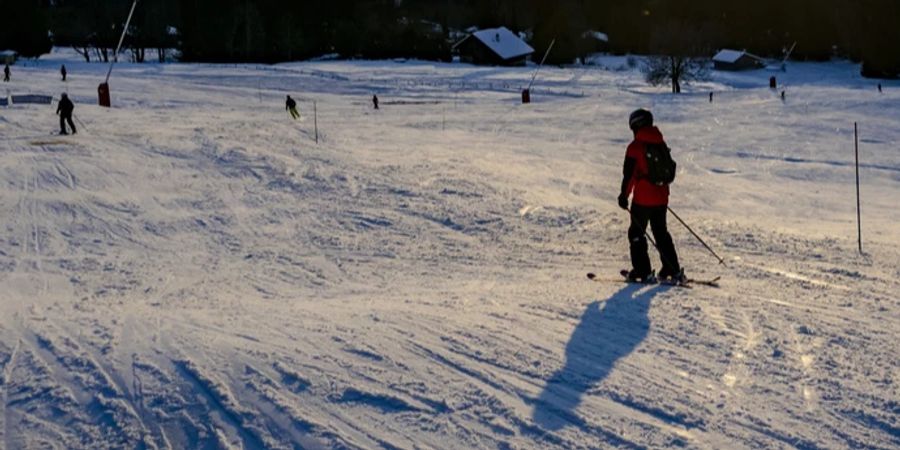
[640, 259]
[63, 118]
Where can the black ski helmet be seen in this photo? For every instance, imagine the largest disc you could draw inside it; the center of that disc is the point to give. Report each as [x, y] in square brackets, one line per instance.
[640, 118]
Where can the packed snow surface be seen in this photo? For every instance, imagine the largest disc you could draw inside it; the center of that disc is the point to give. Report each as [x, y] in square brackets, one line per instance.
[192, 270]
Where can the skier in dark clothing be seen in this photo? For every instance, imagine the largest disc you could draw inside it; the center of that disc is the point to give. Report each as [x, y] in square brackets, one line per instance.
[375, 101]
[649, 205]
[64, 110]
[291, 106]
[62, 71]
[6, 72]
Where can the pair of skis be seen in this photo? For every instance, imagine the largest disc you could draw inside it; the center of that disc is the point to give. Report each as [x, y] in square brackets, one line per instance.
[687, 283]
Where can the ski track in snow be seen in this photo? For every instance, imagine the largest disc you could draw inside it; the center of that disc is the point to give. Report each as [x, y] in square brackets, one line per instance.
[193, 271]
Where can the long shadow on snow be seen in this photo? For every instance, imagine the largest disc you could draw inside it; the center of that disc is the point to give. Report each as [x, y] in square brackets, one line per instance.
[608, 331]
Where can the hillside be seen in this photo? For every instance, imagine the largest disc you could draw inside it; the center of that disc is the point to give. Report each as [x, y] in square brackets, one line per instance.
[193, 270]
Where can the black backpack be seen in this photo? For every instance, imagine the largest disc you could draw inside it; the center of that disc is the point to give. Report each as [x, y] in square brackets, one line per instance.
[660, 165]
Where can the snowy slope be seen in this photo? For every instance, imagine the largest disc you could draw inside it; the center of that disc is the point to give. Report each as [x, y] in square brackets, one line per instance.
[193, 271]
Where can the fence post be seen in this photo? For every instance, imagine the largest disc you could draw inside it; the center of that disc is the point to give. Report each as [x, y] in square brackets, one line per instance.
[858, 213]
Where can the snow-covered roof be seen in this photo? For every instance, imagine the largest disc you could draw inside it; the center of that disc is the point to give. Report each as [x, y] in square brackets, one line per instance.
[731, 56]
[503, 42]
[728, 56]
[8, 53]
[602, 37]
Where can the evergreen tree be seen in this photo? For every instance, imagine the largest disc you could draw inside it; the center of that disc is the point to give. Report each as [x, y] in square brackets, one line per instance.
[276, 30]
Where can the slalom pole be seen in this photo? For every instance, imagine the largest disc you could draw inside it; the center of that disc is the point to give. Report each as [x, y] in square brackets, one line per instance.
[541, 64]
[121, 39]
[858, 213]
[721, 261]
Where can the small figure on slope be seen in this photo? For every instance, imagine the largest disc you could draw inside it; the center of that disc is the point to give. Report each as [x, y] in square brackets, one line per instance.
[6, 73]
[62, 71]
[647, 172]
[291, 106]
[64, 110]
[375, 101]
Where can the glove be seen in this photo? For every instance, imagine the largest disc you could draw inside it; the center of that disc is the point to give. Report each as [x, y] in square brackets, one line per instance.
[623, 201]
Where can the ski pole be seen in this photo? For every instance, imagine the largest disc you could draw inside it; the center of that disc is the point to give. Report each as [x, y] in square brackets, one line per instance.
[721, 261]
[647, 235]
[74, 117]
[79, 122]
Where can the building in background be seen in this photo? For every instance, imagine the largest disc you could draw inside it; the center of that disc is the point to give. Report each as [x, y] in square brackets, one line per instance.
[8, 57]
[735, 60]
[493, 46]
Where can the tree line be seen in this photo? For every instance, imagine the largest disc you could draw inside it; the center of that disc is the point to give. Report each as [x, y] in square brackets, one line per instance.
[277, 30]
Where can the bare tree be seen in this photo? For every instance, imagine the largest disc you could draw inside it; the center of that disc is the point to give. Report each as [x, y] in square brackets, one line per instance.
[84, 51]
[677, 69]
[681, 55]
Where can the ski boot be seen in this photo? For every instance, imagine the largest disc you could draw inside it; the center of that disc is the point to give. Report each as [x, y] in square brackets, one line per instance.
[669, 277]
[633, 277]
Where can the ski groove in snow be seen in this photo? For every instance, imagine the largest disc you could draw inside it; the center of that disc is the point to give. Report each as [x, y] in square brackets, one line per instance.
[222, 405]
[195, 272]
[6, 379]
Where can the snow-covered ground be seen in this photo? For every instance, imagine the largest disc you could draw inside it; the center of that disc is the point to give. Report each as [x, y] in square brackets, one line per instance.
[192, 270]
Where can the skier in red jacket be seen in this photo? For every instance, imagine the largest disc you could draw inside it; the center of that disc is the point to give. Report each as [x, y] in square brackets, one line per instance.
[649, 204]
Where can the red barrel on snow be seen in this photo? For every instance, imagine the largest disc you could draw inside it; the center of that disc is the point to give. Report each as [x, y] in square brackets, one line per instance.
[103, 92]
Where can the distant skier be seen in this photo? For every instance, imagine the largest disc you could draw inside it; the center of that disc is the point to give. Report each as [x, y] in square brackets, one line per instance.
[291, 106]
[62, 71]
[375, 101]
[879, 88]
[6, 73]
[64, 110]
[647, 172]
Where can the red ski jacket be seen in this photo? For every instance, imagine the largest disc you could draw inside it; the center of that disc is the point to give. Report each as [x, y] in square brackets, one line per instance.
[635, 171]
